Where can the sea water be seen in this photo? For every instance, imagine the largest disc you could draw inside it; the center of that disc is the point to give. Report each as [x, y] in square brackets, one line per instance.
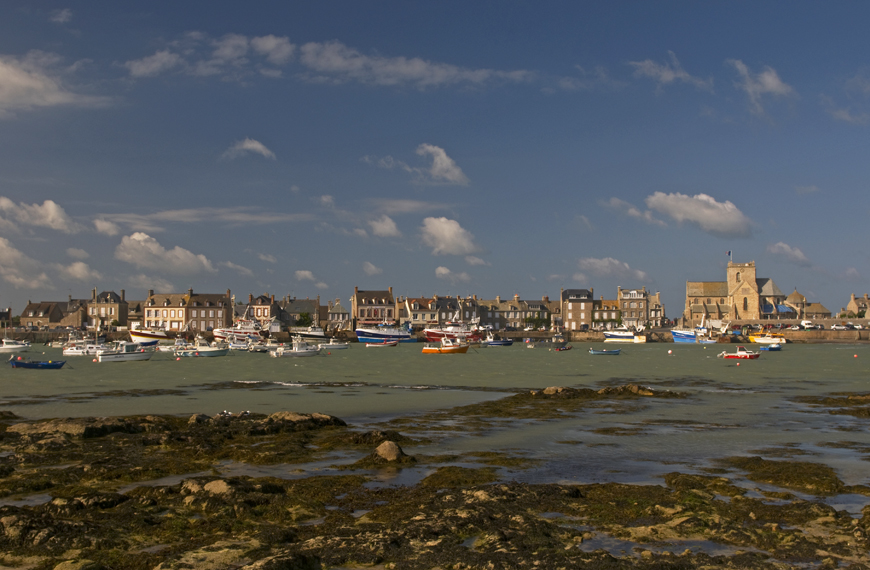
[732, 407]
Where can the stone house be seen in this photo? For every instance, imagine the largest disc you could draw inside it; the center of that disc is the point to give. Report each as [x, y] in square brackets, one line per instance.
[107, 307]
[606, 313]
[857, 306]
[263, 309]
[293, 308]
[369, 308]
[337, 317]
[418, 311]
[742, 296]
[188, 311]
[576, 308]
[42, 314]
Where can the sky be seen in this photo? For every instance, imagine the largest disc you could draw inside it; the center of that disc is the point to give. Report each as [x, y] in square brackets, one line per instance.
[449, 148]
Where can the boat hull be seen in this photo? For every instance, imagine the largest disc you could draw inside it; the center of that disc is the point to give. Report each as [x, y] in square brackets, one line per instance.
[202, 352]
[438, 349]
[384, 334]
[613, 352]
[382, 344]
[38, 365]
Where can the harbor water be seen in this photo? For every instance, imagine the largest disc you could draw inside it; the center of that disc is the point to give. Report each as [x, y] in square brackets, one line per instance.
[731, 407]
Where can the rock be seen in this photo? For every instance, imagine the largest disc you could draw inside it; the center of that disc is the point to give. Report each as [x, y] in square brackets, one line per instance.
[285, 562]
[77, 428]
[390, 451]
[218, 487]
[77, 565]
[198, 419]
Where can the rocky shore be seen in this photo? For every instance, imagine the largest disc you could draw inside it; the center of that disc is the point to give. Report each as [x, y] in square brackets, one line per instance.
[152, 492]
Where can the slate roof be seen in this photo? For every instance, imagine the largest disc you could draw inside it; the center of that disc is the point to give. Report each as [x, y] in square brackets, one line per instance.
[768, 288]
[571, 294]
[706, 288]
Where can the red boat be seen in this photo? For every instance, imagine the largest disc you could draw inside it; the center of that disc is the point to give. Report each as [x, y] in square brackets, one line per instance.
[741, 353]
[382, 344]
[453, 329]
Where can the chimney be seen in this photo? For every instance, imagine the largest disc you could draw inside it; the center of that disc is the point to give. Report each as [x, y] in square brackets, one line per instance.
[391, 291]
[95, 294]
[70, 298]
[498, 299]
[545, 298]
[190, 292]
[123, 295]
[250, 298]
[228, 294]
[150, 292]
[273, 298]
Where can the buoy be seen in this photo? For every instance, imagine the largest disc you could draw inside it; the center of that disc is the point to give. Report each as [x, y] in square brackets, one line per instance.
[94, 360]
[670, 351]
[738, 364]
[328, 353]
[856, 356]
[178, 358]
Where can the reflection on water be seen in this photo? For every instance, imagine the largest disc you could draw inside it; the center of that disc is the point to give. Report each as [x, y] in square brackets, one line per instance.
[731, 409]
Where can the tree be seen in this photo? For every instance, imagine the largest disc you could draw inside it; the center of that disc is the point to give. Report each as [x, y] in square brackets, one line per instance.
[304, 320]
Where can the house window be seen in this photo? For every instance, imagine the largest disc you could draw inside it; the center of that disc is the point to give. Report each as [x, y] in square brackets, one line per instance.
[415, 316]
[745, 304]
[211, 313]
[164, 313]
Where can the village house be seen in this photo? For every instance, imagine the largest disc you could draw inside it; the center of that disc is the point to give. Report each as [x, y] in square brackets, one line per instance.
[856, 307]
[337, 317]
[576, 308]
[263, 309]
[188, 311]
[418, 311]
[107, 308]
[43, 314]
[370, 308]
[294, 308]
[606, 314]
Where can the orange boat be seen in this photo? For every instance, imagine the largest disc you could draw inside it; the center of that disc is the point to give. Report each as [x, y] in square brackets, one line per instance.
[446, 346]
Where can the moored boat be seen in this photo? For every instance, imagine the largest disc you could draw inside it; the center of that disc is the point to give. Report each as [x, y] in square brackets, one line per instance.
[768, 338]
[446, 346]
[334, 344]
[36, 364]
[741, 353]
[248, 328]
[201, 348]
[123, 351]
[492, 341]
[613, 352]
[383, 332]
[299, 348]
[10, 345]
[385, 343]
[148, 337]
[622, 334]
[771, 347]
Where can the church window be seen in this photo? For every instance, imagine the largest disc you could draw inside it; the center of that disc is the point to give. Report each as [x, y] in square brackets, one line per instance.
[745, 304]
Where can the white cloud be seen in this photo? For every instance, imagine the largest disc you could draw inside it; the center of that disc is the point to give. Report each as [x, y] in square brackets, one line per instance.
[327, 201]
[321, 285]
[161, 61]
[609, 267]
[370, 269]
[266, 257]
[335, 62]
[106, 227]
[792, 254]
[47, 215]
[447, 237]
[79, 271]
[142, 250]
[77, 253]
[722, 219]
[143, 281]
[230, 49]
[474, 260]
[629, 210]
[444, 168]
[757, 85]
[582, 223]
[597, 78]
[665, 73]
[360, 232]
[233, 217]
[33, 81]
[19, 270]
[445, 273]
[248, 145]
[845, 114]
[238, 268]
[61, 16]
[277, 50]
[384, 227]
[405, 206]
[852, 273]
[305, 275]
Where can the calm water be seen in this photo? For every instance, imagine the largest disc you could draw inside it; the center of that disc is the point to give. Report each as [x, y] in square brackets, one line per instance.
[745, 409]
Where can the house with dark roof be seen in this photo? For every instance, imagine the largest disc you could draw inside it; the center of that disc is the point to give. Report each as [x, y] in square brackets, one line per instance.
[857, 306]
[373, 307]
[576, 307]
[188, 311]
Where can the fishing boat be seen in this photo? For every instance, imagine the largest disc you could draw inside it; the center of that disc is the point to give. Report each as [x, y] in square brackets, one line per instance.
[201, 348]
[149, 337]
[614, 352]
[453, 329]
[492, 341]
[771, 347]
[563, 348]
[384, 332]
[36, 364]
[556, 342]
[83, 347]
[180, 343]
[123, 351]
[768, 338]
[10, 345]
[382, 344]
[622, 334]
[309, 333]
[741, 354]
[334, 344]
[248, 328]
[299, 348]
[446, 346]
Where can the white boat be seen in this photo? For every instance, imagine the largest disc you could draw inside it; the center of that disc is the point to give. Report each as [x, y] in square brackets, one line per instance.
[298, 348]
[382, 333]
[622, 334]
[333, 344]
[83, 347]
[8, 345]
[180, 342]
[201, 348]
[309, 333]
[123, 351]
[148, 337]
[382, 344]
[249, 328]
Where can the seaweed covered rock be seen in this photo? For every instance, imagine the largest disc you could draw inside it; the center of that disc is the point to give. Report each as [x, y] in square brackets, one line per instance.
[86, 428]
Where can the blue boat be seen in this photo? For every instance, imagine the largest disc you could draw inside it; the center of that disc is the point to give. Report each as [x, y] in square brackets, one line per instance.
[37, 364]
[384, 333]
[771, 347]
[613, 352]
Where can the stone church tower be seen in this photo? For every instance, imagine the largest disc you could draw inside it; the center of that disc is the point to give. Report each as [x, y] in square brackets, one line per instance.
[743, 291]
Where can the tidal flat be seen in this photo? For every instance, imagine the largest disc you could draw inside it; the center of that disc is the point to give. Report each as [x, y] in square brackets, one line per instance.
[291, 490]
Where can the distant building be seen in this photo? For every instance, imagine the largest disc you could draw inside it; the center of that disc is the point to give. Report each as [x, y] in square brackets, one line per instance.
[294, 308]
[42, 314]
[418, 311]
[577, 308]
[188, 311]
[742, 296]
[106, 308]
[373, 307]
[338, 318]
[857, 306]
[606, 313]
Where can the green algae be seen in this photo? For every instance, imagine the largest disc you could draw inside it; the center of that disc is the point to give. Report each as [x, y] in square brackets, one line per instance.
[813, 478]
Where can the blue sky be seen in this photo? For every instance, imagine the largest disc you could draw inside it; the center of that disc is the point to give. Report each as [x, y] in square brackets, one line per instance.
[489, 148]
